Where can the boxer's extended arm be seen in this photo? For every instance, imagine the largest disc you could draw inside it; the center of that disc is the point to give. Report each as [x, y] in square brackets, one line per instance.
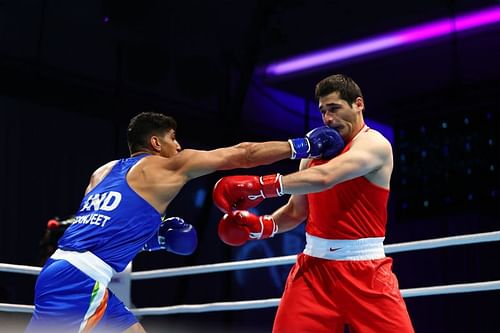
[368, 154]
[244, 192]
[196, 163]
[322, 141]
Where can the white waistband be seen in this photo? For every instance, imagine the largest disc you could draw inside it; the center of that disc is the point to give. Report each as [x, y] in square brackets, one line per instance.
[88, 263]
[345, 249]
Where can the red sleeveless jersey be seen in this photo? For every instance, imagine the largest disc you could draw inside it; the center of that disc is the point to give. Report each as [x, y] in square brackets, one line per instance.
[353, 209]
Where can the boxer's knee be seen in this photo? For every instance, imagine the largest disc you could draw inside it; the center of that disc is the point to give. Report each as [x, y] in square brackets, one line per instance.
[136, 328]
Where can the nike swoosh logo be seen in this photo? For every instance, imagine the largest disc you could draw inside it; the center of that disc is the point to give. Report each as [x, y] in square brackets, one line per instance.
[333, 249]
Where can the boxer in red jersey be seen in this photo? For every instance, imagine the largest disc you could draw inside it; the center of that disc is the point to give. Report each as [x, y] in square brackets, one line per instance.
[343, 277]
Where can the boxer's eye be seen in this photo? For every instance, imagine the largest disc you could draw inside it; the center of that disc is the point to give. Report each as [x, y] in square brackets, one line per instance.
[329, 108]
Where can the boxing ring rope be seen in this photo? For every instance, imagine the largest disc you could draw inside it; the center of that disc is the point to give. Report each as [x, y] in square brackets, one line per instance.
[273, 302]
[285, 260]
[22, 269]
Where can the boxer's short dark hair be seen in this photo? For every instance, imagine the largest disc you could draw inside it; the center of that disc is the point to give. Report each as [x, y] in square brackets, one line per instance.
[346, 87]
[146, 124]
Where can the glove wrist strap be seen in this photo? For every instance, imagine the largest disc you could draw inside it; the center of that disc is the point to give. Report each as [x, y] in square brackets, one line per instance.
[155, 243]
[300, 148]
[271, 185]
[268, 228]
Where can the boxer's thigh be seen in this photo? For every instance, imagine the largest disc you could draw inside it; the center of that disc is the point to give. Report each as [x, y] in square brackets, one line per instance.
[307, 304]
[117, 317]
[376, 304]
[62, 297]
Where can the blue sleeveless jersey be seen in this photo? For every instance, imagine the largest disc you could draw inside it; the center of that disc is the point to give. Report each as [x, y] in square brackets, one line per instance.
[113, 221]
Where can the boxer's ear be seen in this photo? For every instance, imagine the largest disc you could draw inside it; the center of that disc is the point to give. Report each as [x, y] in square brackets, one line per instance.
[359, 104]
[155, 143]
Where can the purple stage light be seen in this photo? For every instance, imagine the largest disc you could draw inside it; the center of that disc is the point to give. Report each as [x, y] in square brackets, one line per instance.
[400, 38]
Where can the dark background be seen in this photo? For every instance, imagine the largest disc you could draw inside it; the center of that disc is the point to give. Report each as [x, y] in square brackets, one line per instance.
[72, 73]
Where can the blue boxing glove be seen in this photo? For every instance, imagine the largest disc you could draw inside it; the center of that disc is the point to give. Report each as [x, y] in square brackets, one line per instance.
[174, 235]
[321, 142]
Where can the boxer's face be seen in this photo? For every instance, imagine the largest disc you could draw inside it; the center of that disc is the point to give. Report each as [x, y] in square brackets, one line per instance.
[169, 145]
[338, 114]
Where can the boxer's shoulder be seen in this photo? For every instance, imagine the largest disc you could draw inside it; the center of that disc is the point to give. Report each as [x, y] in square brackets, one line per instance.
[99, 174]
[371, 138]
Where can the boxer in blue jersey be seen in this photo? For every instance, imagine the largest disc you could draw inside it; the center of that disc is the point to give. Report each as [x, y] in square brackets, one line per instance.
[121, 215]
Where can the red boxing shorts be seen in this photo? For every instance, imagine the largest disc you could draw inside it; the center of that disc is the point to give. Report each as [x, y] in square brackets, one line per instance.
[324, 295]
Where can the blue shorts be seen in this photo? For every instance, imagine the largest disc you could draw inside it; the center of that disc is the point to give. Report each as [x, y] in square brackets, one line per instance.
[67, 300]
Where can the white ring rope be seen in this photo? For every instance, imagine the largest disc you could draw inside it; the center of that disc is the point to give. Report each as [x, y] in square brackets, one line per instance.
[288, 260]
[266, 303]
[23, 269]
[451, 289]
[443, 242]
[273, 302]
[16, 308]
[211, 268]
[284, 260]
[209, 307]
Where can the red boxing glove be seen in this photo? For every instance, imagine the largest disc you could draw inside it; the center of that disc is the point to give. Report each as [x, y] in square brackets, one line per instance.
[236, 228]
[245, 192]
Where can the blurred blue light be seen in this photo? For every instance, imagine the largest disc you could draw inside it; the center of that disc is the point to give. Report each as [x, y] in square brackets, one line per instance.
[199, 197]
